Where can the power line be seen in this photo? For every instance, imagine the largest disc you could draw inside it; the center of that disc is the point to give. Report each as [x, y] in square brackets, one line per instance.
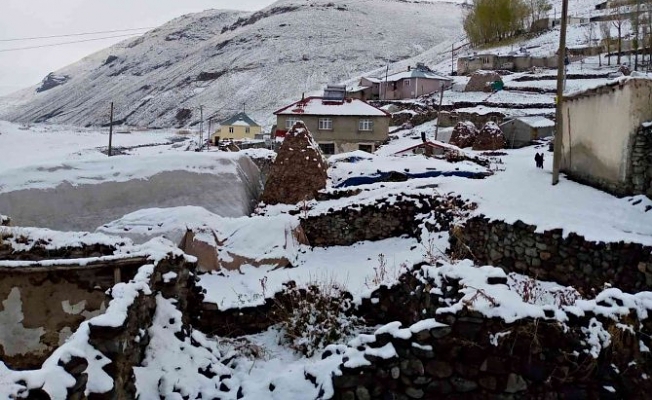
[64, 43]
[74, 34]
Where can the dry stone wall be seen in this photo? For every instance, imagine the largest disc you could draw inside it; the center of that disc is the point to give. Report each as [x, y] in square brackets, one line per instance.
[570, 260]
[469, 359]
[388, 217]
[473, 356]
[641, 162]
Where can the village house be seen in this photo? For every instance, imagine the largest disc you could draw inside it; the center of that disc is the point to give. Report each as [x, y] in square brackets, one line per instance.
[607, 136]
[521, 131]
[338, 123]
[238, 127]
[409, 84]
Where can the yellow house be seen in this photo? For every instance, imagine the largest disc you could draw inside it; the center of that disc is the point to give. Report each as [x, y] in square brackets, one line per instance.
[239, 126]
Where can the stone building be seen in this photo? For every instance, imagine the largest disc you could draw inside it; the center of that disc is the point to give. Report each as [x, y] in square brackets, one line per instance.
[607, 136]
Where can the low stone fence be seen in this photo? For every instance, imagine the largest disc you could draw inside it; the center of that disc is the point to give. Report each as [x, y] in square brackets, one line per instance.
[548, 255]
[386, 218]
[473, 357]
[641, 162]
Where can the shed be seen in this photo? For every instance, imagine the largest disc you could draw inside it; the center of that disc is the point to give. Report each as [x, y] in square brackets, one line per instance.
[519, 132]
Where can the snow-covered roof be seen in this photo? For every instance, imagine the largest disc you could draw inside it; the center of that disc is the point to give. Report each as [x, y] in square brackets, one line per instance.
[412, 73]
[537, 121]
[319, 106]
[358, 88]
[437, 145]
[240, 119]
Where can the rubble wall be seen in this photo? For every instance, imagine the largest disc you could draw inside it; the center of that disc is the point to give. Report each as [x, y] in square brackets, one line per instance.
[550, 256]
[386, 218]
[474, 357]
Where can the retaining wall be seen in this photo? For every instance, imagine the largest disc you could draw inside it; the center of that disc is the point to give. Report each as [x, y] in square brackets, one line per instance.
[570, 260]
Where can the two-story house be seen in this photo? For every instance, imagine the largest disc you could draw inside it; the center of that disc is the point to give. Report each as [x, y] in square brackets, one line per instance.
[339, 124]
[239, 126]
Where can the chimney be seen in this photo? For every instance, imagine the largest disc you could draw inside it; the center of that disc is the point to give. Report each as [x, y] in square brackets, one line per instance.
[423, 137]
[409, 68]
[303, 97]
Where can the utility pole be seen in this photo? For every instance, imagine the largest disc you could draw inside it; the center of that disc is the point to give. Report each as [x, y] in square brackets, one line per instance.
[110, 129]
[441, 100]
[638, 15]
[386, 77]
[244, 107]
[452, 59]
[561, 67]
[201, 126]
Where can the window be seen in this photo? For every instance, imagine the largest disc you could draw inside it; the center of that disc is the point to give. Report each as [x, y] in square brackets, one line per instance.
[289, 123]
[327, 148]
[365, 125]
[325, 124]
[247, 130]
[369, 148]
[407, 82]
[230, 129]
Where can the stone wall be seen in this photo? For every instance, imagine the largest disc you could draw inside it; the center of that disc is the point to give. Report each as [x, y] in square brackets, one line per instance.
[570, 260]
[641, 162]
[389, 217]
[468, 355]
[469, 359]
[126, 345]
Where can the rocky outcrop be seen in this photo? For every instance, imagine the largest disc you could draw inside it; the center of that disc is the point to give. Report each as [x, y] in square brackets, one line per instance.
[52, 81]
[464, 134]
[490, 137]
[299, 170]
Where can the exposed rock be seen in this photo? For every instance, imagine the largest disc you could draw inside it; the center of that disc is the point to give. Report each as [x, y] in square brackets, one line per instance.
[481, 81]
[52, 81]
[464, 134]
[299, 170]
[490, 137]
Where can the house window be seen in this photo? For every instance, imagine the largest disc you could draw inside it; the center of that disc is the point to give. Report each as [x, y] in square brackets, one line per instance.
[327, 148]
[325, 124]
[247, 130]
[407, 82]
[365, 125]
[289, 123]
[230, 129]
[369, 148]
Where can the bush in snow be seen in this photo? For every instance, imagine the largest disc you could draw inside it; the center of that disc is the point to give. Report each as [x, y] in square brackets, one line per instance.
[314, 317]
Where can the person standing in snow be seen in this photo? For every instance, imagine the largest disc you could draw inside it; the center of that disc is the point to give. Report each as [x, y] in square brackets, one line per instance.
[541, 160]
[536, 159]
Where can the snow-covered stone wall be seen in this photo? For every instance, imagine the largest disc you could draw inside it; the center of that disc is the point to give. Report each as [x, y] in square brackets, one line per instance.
[552, 256]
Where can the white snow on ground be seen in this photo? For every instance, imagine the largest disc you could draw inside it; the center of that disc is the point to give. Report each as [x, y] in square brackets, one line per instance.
[23, 146]
[351, 267]
[58, 178]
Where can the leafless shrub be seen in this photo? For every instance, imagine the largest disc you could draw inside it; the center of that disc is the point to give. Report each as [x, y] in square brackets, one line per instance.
[313, 317]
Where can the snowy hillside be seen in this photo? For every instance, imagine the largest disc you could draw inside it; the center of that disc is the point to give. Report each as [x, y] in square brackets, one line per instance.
[223, 59]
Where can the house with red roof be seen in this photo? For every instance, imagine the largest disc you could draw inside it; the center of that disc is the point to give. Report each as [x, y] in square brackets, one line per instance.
[338, 123]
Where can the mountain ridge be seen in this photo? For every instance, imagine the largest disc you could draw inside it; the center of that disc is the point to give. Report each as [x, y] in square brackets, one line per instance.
[230, 60]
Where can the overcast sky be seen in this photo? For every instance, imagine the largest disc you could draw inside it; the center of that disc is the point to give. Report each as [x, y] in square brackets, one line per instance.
[30, 18]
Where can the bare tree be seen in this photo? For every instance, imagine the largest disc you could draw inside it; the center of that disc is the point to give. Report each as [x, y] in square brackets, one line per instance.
[605, 30]
[618, 19]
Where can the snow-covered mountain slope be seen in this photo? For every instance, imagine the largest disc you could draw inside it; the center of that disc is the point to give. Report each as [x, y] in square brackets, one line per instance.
[224, 59]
